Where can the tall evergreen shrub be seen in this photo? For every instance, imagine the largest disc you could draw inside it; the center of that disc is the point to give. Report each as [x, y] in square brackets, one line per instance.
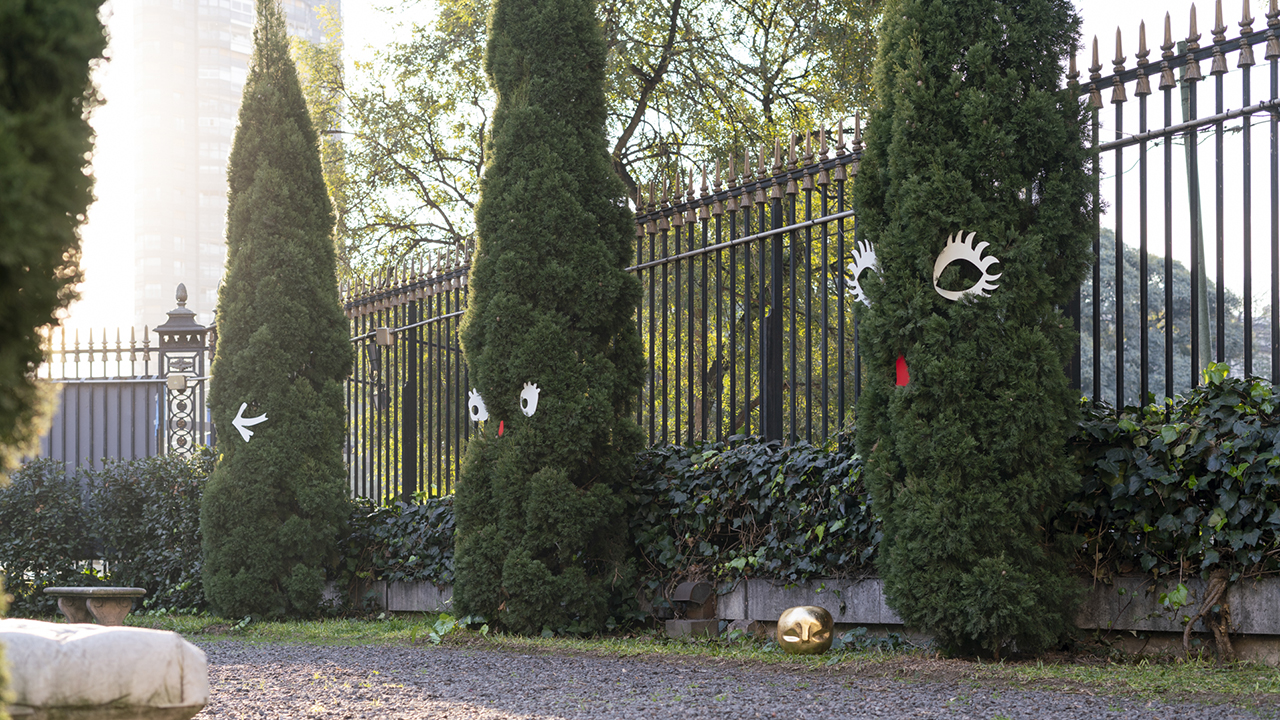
[541, 539]
[967, 461]
[275, 505]
[6, 695]
[45, 142]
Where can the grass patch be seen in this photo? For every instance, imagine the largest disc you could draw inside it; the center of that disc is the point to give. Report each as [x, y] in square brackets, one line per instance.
[1165, 679]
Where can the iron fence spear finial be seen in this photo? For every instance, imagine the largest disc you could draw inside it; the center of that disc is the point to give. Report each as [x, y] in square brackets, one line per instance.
[1095, 74]
[1219, 65]
[1246, 29]
[1273, 24]
[1166, 54]
[1073, 75]
[1193, 44]
[1143, 86]
[1117, 87]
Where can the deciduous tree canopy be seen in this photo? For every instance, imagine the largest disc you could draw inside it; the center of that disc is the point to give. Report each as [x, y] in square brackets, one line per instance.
[684, 80]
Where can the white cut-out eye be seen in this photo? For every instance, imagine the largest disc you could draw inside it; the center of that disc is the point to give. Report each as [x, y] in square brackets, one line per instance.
[529, 399]
[864, 258]
[475, 405]
[958, 249]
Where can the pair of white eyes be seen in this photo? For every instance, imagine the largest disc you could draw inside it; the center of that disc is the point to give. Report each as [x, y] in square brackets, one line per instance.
[528, 403]
[864, 258]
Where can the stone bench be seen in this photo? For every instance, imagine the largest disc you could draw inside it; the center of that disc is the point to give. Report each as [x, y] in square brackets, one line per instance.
[90, 672]
[104, 605]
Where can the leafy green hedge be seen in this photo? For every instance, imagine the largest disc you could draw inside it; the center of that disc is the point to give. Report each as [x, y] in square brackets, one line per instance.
[45, 535]
[397, 543]
[147, 517]
[1186, 487]
[713, 511]
[142, 517]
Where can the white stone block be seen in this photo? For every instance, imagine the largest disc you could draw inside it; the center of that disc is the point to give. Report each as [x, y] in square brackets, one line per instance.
[90, 671]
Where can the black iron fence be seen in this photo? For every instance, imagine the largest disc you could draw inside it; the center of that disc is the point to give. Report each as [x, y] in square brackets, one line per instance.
[122, 399]
[1181, 142]
[746, 321]
[749, 319]
[407, 396]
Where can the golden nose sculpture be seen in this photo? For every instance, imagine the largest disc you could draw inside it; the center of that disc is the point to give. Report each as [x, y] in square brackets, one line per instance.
[805, 630]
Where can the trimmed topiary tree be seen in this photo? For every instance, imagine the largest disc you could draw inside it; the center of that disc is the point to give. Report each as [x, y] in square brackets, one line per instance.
[967, 460]
[45, 142]
[6, 696]
[275, 504]
[541, 537]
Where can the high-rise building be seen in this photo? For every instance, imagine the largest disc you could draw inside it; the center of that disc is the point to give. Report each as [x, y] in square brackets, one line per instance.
[192, 58]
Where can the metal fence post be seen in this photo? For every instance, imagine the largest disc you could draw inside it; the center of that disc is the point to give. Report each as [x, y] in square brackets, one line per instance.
[772, 409]
[182, 355]
[409, 441]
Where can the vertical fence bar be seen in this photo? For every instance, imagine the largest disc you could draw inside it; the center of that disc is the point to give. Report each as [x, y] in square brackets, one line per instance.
[705, 260]
[1218, 70]
[1272, 54]
[1142, 90]
[773, 340]
[1247, 201]
[409, 409]
[1118, 99]
[1166, 86]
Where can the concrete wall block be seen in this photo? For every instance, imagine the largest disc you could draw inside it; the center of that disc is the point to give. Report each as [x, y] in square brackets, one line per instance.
[419, 597]
[732, 602]
[1255, 606]
[864, 601]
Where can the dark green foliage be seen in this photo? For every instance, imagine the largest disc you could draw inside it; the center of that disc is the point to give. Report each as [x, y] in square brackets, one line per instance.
[275, 507]
[6, 696]
[45, 141]
[45, 535]
[146, 519]
[397, 543]
[1186, 487]
[754, 508]
[541, 536]
[967, 463]
[141, 516]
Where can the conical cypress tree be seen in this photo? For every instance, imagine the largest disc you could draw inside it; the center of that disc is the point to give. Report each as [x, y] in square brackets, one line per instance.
[274, 505]
[967, 460]
[540, 533]
[45, 141]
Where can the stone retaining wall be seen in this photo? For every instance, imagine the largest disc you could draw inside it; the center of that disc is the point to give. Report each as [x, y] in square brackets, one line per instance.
[1130, 606]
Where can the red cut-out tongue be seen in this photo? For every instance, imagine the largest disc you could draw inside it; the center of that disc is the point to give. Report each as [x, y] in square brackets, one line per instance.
[904, 377]
[499, 428]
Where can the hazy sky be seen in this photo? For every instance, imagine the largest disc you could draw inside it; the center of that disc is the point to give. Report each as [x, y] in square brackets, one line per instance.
[108, 238]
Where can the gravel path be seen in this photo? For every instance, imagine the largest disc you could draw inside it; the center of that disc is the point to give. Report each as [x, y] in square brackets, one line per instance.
[249, 680]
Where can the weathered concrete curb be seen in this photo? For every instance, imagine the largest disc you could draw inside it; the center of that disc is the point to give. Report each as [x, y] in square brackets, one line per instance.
[1129, 606]
[1130, 603]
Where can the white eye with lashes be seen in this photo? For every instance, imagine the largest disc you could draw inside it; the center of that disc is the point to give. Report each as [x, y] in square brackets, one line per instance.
[864, 258]
[475, 406]
[958, 249]
[529, 399]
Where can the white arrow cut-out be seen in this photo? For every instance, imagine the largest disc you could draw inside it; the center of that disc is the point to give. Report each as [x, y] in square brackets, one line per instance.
[242, 423]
